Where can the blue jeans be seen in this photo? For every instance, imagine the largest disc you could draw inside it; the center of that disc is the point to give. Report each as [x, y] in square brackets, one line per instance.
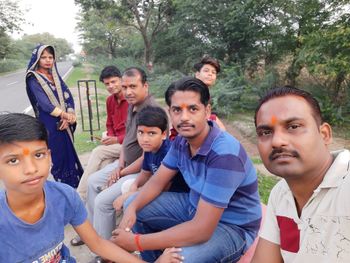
[169, 209]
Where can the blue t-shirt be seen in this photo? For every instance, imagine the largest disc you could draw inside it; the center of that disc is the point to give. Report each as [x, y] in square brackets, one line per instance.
[152, 161]
[42, 241]
[222, 174]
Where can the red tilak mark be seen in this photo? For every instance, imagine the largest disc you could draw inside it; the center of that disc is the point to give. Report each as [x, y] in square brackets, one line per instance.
[26, 151]
[273, 120]
[146, 130]
[183, 106]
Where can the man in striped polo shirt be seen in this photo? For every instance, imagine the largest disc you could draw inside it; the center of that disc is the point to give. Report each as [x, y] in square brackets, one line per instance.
[219, 218]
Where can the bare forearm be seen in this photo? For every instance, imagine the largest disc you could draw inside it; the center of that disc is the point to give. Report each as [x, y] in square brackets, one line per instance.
[185, 234]
[133, 168]
[112, 252]
[121, 158]
[147, 194]
[142, 178]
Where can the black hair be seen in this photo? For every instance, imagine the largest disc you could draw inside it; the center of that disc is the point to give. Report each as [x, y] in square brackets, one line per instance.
[188, 84]
[207, 60]
[134, 71]
[110, 71]
[21, 127]
[50, 50]
[289, 90]
[153, 116]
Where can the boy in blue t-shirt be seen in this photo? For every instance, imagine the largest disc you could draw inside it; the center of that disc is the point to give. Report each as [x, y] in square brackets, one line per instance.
[152, 128]
[33, 211]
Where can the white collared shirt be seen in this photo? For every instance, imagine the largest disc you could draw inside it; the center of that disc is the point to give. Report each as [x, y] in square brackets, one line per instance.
[322, 233]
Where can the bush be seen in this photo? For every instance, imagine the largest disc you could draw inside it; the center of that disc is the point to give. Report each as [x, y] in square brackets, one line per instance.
[160, 82]
[99, 62]
[232, 93]
[77, 63]
[267, 82]
[8, 65]
[332, 113]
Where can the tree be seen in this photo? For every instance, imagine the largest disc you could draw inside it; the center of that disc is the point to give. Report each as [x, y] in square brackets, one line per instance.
[326, 54]
[27, 43]
[11, 16]
[228, 30]
[100, 33]
[148, 17]
[295, 21]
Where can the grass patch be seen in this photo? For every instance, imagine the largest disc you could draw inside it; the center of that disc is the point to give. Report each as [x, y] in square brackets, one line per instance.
[82, 140]
[266, 183]
[256, 160]
[76, 74]
[83, 143]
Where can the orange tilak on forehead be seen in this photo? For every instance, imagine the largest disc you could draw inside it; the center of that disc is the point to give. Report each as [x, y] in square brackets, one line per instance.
[183, 106]
[146, 129]
[26, 151]
[273, 120]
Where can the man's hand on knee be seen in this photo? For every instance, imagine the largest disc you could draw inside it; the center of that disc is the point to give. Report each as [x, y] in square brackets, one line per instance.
[114, 176]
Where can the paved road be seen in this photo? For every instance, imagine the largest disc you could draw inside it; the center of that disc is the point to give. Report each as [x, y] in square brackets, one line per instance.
[13, 96]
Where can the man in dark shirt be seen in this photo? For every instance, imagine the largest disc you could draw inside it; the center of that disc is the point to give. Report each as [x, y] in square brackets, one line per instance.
[100, 205]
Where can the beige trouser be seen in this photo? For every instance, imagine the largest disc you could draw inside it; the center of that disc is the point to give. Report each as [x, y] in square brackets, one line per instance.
[99, 158]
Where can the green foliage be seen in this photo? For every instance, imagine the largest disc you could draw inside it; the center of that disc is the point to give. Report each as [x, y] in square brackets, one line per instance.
[160, 82]
[8, 65]
[327, 55]
[100, 61]
[227, 32]
[331, 112]
[77, 63]
[62, 47]
[77, 74]
[264, 83]
[232, 92]
[260, 44]
[101, 33]
[147, 17]
[21, 49]
[11, 16]
[5, 44]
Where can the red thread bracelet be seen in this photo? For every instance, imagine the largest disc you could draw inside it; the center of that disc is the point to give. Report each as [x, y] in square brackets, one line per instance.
[137, 241]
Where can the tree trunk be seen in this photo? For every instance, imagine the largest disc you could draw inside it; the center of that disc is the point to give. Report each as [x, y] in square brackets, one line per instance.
[336, 92]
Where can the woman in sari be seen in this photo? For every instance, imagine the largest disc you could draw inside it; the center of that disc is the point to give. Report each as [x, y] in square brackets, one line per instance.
[53, 105]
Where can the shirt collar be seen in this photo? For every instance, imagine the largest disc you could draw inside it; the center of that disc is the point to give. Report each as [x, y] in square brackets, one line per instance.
[120, 100]
[145, 103]
[339, 169]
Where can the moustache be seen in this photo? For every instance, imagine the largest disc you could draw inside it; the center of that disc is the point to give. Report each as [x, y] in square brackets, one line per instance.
[185, 125]
[279, 151]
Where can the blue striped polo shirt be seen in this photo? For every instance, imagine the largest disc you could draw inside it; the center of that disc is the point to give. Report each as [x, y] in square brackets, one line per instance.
[222, 174]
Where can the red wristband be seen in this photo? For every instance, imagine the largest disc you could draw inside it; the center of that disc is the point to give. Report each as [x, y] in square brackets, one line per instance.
[137, 241]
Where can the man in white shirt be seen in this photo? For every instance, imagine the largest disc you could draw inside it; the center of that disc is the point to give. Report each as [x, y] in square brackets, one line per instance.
[308, 214]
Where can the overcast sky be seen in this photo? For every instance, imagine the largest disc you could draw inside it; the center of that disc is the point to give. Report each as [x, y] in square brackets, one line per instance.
[54, 16]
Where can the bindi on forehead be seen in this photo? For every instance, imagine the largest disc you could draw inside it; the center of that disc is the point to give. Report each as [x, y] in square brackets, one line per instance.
[183, 106]
[273, 120]
[25, 151]
[146, 129]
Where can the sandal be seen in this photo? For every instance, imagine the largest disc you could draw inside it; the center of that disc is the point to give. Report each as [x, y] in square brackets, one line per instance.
[76, 241]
